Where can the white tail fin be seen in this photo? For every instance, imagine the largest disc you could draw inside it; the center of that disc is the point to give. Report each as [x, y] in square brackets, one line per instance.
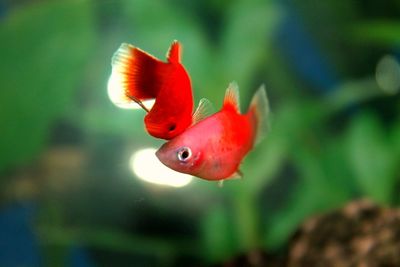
[138, 74]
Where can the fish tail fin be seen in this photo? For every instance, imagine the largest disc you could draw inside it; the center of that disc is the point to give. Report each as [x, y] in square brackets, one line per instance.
[258, 113]
[137, 75]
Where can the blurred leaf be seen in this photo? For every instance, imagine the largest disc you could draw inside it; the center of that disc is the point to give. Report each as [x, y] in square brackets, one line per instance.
[43, 52]
[304, 201]
[310, 168]
[381, 32]
[263, 163]
[372, 158]
[113, 120]
[320, 188]
[395, 138]
[113, 240]
[217, 234]
[316, 154]
[265, 160]
[247, 39]
[340, 181]
[352, 92]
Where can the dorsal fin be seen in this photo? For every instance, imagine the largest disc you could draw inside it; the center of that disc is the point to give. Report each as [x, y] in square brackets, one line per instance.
[174, 52]
[204, 109]
[231, 99]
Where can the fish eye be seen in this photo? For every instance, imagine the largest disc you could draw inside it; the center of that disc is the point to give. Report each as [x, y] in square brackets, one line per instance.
[184, 154]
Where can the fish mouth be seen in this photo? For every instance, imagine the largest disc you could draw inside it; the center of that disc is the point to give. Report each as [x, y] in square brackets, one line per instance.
[161, 133]
[155, 131]
[154, 128]
[158, 154]
[162, 155]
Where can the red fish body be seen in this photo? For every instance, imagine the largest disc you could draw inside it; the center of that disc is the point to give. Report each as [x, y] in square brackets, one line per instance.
[140, 76]
[213, 148]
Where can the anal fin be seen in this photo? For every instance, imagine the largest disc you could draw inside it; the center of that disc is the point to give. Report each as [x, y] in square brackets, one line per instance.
[236, 175]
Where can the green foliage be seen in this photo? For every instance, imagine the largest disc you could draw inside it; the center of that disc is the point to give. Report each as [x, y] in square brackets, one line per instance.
[217, 233]
[373, 158]
[44, 49]
[246, 41]
[378, 32]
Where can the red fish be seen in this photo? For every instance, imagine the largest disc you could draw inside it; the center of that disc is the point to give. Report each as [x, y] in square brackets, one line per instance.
[213, 148]
[140, 76]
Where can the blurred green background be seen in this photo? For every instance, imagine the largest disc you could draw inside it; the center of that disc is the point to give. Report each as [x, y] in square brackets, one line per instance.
[68, 196]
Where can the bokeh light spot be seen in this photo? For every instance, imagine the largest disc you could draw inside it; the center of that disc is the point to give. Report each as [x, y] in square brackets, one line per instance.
[388, 74]
[147, 167]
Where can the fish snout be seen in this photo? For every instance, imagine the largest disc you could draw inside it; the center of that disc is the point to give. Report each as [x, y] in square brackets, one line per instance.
[163, 155]
[155, 131]
[159, 154]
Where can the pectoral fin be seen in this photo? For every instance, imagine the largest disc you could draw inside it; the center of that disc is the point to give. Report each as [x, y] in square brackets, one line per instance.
[204, 109]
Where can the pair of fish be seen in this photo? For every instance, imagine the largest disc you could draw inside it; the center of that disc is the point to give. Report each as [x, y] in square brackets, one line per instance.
[207, 146]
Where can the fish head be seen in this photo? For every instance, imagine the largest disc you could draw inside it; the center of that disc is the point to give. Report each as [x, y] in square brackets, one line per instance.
[166, 128]
[181, 156]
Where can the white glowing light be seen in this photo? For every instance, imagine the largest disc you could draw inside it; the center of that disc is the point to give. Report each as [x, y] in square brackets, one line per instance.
[116, 93]
[147, 167]
[388, 74]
